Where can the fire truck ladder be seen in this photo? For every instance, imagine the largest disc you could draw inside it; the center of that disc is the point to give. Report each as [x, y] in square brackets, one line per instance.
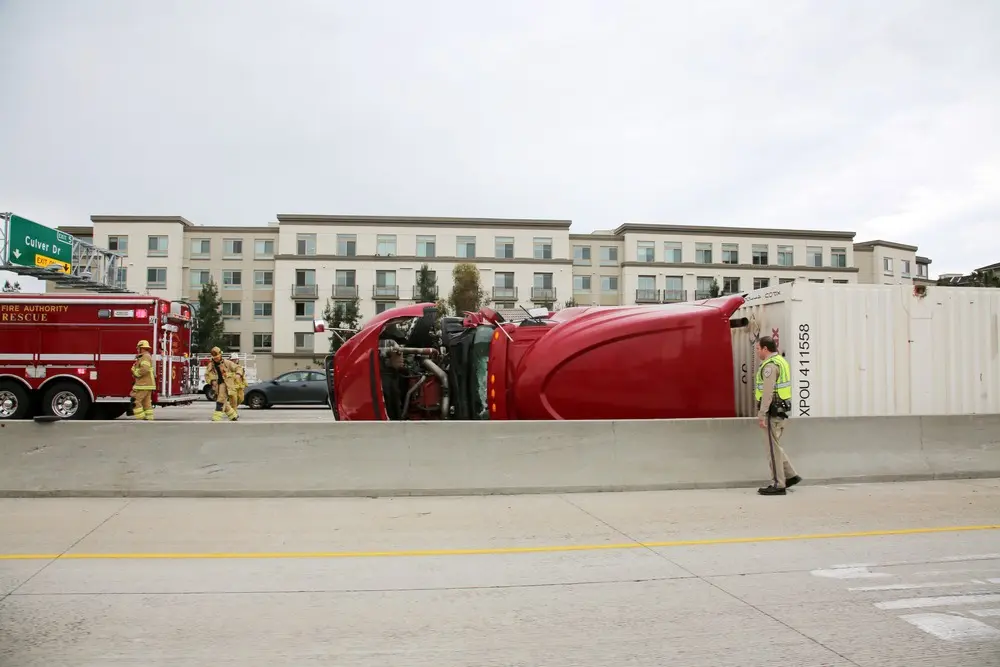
[93, 269]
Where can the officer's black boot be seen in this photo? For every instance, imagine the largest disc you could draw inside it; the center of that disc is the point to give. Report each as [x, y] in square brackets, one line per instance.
[771, 490]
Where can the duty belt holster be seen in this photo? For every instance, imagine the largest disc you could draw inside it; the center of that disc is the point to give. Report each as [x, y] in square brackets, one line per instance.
[779, 408]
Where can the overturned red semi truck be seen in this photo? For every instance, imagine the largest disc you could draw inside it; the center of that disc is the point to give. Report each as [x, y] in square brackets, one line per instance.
[666, 361]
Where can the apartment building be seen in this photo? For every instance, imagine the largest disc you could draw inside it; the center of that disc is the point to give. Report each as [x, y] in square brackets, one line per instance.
[890, 263]
[644, 263]
[275, 279]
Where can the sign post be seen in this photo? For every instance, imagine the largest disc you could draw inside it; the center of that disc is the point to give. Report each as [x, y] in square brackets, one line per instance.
[33, 245]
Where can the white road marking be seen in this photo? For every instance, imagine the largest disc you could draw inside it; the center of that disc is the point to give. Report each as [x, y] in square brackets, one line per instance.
[906, 587]
[985, 612]
[940, 601]
[952, 628]
[924, 561]
[849, 573]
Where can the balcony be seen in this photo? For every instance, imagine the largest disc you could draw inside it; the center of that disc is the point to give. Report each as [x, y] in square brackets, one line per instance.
[702, 294]
[674, 295]
[647, 296]
[345, 291]
[305, 291]
[385, 292]
[543, 294]
[432, 292]
[505, 294]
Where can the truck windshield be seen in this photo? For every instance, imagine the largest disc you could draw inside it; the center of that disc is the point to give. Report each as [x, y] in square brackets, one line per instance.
[480, 359]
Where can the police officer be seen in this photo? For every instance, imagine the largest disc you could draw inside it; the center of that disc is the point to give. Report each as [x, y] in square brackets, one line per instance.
[773, 393]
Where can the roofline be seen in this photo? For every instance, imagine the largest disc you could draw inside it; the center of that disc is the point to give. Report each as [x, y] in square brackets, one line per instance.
[637, 227]
[217, 229]
[923, 260]
[142, 218]
[885, 244]
[76, 230]
[424, 221]
[989, 267]
[595, 236]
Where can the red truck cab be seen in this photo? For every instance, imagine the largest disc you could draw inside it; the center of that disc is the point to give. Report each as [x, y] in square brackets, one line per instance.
[670, 361]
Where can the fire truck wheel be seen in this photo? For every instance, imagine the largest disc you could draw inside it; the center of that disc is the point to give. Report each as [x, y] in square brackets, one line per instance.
[209, 393]
[14, 403]
[66, 400]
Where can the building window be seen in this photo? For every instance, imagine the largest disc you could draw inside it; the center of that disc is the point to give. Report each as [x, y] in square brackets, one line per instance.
[232, 310]
[703, 287]
[200, 277]
[305, 244]
[760, 255]
[263, 279]
[118, 244]
[263, 309]
[201, 247]
[503, 246]
[426, 246]
[232, 279]
[263, 248]
[347, 245]
[673, 252]
[157, 246]
[382, 306]
[703, 253]
[346, 286]
[304, 341]
[609, 283]
[385, 285]
[817, 280]
[156, 278]
[385, 245]
[503, 285]
[646, 289]
[305, 310]
[581, 283]
[838, 257]
[542, 290]
[887, 265]
[786, 255]
[231, 341]
[904, 265]
[840, 282]
[232, 247]
[730, 253]
[542, 248]
[262, 342]
[609, 255]
[581, 255]
[465, 246]
[646, 251]
[814, 256]
[730, 285]
[761, 283]
[922, 270]
[784, 281]
[122, 275]
[674, 289]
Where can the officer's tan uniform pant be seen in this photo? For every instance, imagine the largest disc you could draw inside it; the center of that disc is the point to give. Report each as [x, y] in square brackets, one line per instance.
[143, 404]
[779, 465]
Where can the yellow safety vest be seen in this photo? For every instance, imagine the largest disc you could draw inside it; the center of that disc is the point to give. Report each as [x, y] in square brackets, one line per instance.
[782, 386]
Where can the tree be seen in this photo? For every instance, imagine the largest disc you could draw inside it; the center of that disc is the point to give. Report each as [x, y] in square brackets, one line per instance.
[211, 330]
[466, 294]
[8, 287]
[985, 279]
[714, 290]
[342, 315]
[427, 290]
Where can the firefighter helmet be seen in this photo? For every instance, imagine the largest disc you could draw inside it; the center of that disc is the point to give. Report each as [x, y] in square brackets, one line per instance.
[143, 344]
[216, 353]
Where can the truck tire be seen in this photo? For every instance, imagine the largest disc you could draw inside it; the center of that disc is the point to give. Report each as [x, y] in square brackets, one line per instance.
[14, 401]
[66, 400]
[209, 392]
[109, 411]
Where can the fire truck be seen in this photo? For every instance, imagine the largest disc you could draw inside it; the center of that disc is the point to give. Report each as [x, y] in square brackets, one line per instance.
[70, 356]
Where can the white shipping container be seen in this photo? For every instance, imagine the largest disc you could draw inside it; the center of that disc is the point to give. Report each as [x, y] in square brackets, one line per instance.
[875, 350]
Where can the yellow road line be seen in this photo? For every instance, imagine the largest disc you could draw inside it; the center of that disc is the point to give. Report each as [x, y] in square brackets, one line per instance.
[495, 551]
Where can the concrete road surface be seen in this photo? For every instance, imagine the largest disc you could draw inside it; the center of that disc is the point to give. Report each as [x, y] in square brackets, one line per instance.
[202, 411]
[868, 575]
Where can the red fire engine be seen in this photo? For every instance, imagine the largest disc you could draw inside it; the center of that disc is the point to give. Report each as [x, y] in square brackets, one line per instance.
[71, 356]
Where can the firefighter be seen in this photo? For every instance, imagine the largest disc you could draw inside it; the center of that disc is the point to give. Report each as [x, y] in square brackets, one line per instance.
[221, 373]
[241, 379]
[773, 392]
[144, 383]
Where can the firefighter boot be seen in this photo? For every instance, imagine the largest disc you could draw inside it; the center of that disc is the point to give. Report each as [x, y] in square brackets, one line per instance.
[148, 414]
[232, 414]
[217, 415]
[138, 412]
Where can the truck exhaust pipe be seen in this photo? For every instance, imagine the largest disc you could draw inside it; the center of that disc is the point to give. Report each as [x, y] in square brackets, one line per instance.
[443, 377]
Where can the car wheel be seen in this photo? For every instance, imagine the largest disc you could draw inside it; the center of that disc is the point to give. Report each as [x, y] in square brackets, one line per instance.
[209, 393]
[256, 401]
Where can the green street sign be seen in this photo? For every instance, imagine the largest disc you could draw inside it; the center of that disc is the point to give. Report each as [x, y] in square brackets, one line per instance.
[35, 245]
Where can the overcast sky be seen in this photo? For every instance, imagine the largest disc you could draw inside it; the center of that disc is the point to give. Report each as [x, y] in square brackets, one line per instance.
[877, 117]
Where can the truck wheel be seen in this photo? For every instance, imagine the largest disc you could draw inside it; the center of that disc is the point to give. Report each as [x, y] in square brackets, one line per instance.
[14, 403]
[66, 400]
[110, 411]
[209, 393]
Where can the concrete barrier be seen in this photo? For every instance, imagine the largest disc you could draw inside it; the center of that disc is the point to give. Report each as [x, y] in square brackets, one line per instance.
[258, 459]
